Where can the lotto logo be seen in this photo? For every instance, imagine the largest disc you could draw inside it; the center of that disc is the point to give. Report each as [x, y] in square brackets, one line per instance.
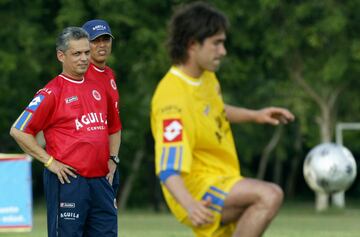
[34, 104]
[172, 130]
[67, 205]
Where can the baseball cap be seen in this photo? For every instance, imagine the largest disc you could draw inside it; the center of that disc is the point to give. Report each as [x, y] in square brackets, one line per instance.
[96, 28]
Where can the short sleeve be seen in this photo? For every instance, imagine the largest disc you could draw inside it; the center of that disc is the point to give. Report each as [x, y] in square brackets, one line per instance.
[37, 114]
[173, 130]
[112, 93]
[114, 122]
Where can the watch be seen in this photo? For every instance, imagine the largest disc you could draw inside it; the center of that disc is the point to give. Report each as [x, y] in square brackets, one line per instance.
[116, 159]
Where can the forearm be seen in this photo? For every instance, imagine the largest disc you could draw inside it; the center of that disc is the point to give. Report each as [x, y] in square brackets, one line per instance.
[114, 143]
[29, 145]
[268, 115]
[176, 187]
[237, 115]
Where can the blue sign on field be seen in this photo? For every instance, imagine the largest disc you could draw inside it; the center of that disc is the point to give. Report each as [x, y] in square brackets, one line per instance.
[15, 193]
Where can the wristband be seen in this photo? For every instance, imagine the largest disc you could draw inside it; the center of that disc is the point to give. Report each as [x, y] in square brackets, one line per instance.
[48, 163]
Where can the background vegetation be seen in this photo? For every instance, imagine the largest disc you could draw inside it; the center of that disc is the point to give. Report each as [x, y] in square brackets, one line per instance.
[303, 55]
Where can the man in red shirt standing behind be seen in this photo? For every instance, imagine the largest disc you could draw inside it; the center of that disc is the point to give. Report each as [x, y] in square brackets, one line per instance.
[76, 118]
[100, 48]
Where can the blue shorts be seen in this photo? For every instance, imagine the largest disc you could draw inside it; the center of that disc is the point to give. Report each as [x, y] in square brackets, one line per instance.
[86, 207]
[116, 182]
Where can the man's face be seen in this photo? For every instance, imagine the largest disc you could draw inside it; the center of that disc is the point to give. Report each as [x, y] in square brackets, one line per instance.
[100, 48]
[208, 55]
[76, 58]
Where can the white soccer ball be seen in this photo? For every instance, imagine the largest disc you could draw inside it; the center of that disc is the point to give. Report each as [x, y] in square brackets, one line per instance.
[329, 168]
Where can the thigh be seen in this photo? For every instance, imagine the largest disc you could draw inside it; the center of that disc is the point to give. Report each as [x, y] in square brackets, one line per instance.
[102, 216]
[217, 193]
[51, 188]
[74, 204]
[116, 181]
[243, 194]
[67, 205]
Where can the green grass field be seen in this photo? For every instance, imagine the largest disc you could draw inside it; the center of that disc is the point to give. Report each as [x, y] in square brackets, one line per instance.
[294, 220]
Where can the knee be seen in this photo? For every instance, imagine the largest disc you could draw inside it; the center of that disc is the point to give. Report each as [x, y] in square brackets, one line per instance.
[274, 196]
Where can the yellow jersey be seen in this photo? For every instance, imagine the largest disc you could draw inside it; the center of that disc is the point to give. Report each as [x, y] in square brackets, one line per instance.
[192, 134]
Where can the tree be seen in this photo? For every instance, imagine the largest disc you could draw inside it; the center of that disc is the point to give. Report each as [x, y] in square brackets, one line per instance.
[311, 43]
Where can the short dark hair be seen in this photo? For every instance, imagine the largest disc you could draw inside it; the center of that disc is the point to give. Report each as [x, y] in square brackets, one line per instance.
[193, 22]
[70, 33]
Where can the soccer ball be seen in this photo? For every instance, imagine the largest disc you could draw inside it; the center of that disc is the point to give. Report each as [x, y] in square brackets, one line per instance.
[329, 168]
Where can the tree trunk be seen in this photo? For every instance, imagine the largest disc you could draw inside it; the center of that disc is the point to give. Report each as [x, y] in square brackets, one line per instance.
[295, 164]
[326, 106]
[267, 151]
[125, 194]
[322, 199]
[324, 123]
[278, 170]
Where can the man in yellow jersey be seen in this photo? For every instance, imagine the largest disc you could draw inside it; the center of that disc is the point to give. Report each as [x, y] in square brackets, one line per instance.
[196, 159]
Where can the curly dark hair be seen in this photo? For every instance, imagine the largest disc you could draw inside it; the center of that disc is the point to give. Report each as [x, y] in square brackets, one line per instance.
[193, 23]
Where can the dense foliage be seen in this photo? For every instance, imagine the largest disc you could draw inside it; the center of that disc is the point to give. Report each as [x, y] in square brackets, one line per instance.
[304, 55]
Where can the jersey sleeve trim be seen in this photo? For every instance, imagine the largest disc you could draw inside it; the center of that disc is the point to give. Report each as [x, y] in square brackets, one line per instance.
[23, 120]
[171, 158]
[164, 175]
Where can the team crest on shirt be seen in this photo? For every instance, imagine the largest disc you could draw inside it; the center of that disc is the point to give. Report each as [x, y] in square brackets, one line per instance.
[96, 95]
[113, 84]
[172, 129]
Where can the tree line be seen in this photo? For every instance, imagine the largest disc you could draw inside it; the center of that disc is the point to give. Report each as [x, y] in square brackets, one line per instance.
[303, 55]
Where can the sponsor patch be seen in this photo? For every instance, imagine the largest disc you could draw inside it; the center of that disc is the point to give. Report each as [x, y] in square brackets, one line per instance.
[46, 90]
[69, 215]
[99, 27]
[71, 99]
[172, 129]
[91, 122]
[67, 205]
[170, 109]
[34, 104]
[96, 95]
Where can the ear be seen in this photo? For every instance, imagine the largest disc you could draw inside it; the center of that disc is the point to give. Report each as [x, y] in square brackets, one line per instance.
[60, 55]
[192, 47]
[191, 44]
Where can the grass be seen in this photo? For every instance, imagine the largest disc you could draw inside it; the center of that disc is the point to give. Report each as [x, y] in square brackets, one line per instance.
[301, 220]
[294, 220]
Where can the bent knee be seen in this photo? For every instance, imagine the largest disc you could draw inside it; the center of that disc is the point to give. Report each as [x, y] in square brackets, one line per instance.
[274, 196]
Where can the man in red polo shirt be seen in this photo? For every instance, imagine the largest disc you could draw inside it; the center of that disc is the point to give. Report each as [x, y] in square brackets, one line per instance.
[73, 112]
[100, 49]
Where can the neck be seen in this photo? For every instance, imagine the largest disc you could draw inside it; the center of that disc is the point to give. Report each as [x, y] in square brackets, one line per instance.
[73, 76]
[100, 65]
[191, 69]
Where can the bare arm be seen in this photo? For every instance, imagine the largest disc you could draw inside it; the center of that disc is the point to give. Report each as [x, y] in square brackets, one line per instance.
[114, 142]
[271, 115]
[198, 212]
[29, 145]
